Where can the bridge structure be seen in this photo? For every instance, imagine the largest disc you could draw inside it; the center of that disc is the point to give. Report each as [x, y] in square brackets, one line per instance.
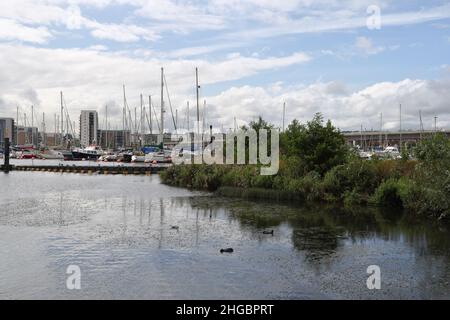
[370, 139]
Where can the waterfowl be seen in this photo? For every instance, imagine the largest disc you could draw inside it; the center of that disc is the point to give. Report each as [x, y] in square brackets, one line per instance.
[268, 232]
[228, 250]
[175, 227]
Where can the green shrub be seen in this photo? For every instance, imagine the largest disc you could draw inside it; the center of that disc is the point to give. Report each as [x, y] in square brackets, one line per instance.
[354, 198]
[358, 175]
[388, 194]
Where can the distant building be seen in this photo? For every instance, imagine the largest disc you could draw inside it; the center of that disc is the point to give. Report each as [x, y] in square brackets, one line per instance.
[88, 128]
[27, 136]
[7, 130]
[52, 139]
[151, 139]
[114, 139]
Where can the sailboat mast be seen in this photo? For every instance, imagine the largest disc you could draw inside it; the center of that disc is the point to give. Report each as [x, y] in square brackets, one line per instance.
[106, 132]
[162, 108]
[198, 106]
[25, 125]
[284, 115]
[141, 129]
[135, 124]
[56, 130]
[62, 119]
[188, 117]
[124, 114]
[32, 125]
[150, 111]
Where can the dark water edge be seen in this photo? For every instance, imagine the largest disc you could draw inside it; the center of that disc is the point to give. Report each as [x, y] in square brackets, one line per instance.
[118, 230]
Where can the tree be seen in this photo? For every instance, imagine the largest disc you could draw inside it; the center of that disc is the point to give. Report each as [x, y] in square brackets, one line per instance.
[319, 147]
[258, 125]
[434, 148]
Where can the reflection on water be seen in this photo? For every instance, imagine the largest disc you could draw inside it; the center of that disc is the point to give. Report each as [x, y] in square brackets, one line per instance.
[119, 231]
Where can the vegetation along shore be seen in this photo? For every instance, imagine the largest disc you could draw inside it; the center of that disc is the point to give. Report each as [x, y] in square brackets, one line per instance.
[316, 165]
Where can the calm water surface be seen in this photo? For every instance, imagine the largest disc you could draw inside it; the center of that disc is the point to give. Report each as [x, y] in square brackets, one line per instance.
[117, 229]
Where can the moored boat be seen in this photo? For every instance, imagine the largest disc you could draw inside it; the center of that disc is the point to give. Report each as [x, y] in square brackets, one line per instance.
[89, 153]
[51, 155]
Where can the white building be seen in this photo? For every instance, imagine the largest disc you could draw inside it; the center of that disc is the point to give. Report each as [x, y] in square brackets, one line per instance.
[88, 128]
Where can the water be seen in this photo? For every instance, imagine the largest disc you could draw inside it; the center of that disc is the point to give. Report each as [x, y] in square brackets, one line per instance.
[117, 229]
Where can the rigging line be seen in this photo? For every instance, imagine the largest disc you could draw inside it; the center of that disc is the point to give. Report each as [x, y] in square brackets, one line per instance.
[170, 103]
[146, 116]
[128, 121]
[156, 117]
[68, 117]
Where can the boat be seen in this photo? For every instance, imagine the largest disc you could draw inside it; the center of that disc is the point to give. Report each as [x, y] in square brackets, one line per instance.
[51, 155]
[391, 152]
[155, 157]
[67, 154]
[365, 155]
[28, 154]
[89, 153]
[164, 156]
[110, 157]
[138, 158]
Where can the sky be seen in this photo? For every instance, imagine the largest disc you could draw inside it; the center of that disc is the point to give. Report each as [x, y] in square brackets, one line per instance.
[351, 60]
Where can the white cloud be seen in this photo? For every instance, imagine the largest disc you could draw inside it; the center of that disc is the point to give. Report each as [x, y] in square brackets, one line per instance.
[92, 77]
[29, 21]
[11, 30]
[327, 16]
[250, 19]
[180, 16]
[122, 33]
[366, 46]
[348, 110]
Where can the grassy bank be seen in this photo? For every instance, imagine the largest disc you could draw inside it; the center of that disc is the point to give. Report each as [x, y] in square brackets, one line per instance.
[325, 171]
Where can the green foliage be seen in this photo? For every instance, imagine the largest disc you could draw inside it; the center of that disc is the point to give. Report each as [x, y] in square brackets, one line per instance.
[356, 176]
[433, 176]
[259, 124]
[402, 193]
[434, 148]
[354, 198]
[388, 194]
[320, 147]
[315, 165]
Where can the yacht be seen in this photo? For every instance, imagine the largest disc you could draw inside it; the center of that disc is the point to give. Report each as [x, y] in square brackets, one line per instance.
[391, 152]
[89, 153]
[51, 155]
